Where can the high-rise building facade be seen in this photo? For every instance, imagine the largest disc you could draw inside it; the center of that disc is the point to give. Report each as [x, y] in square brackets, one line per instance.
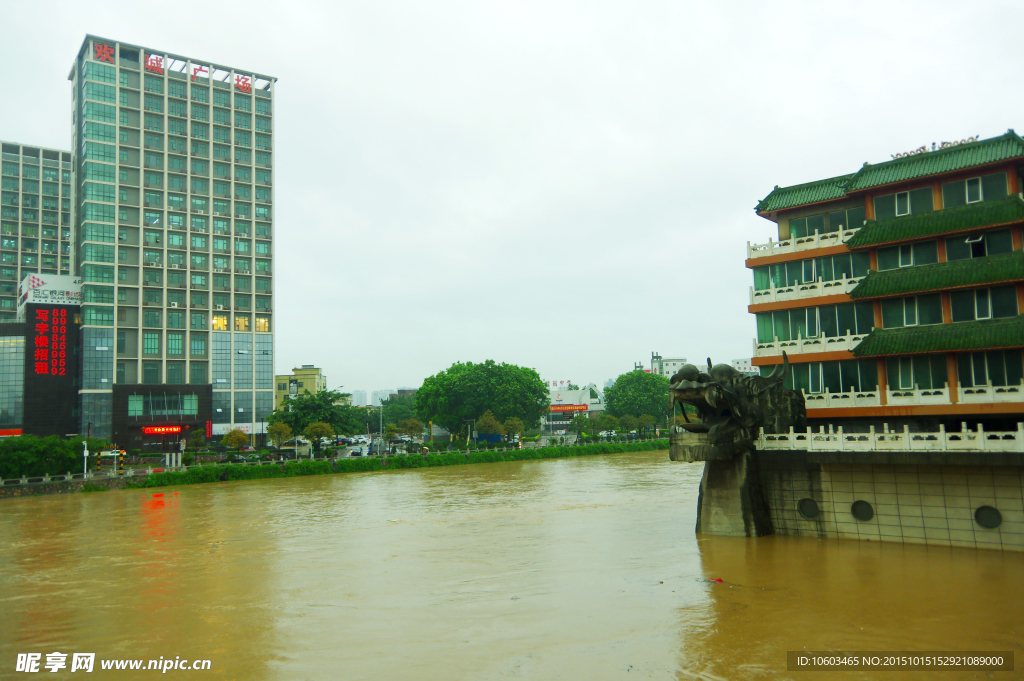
[36, 217]
[173, 234]
[897, 291]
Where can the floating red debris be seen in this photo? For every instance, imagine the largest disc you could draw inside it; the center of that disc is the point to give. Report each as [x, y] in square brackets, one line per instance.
[158, 495]
[714, 580]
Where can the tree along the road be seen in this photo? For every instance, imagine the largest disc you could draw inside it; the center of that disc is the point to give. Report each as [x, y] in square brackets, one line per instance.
[514, 426]
[327, 406]
[279, 433]
[234, 439]
[646, 422]
[637, 393]
[197, 438]
[30, 456]
[315, 432]
[412, 427]
[489, 425]
[465, 391]
[580, 424]
[627, 423]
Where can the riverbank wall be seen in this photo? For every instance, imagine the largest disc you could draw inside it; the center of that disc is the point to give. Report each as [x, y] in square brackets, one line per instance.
[229, 472]
[973, 500]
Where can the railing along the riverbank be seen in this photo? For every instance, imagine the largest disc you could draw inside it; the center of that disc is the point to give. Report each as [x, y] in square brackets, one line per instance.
[963, 440]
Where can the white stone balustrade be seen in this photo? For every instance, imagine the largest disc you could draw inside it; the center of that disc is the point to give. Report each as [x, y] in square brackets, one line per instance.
[854, 398]
[803, 291]
[963, 440]
[805, 345]
[988, 394]
[805, 243]
[915, 396]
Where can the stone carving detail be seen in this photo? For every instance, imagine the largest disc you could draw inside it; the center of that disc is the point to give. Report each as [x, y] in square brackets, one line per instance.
[731, 409]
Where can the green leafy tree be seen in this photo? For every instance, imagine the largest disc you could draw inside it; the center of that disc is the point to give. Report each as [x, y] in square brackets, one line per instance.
[412, 427]
[607, 422]
[465, 391]
[488, 424]
[31, 456]
[579, 424]
[514, 426]
[234, 439]
[627, 423]
[636, 393]
[315, 431]
[391, 431]
[280, 432]
[197, 438]
[572, 386]
[646, 421]
[326, 406]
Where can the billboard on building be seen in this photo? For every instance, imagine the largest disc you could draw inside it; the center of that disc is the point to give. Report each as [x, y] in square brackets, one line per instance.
[48, 289]
[51, 369]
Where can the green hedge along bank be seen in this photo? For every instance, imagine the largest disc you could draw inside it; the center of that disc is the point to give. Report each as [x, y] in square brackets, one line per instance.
[291, 469]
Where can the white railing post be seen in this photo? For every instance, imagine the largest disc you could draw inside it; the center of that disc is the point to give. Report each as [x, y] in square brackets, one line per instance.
[1020, 436]
[873, 437]
[942, 437]
[842, 442]
[981, 436]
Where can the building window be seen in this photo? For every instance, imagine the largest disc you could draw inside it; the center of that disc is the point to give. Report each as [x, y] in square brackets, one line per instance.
[923, 310]
[197, 374]
[983, 303]
[979, 245]
[925, 372]
[908, 255]
[175, 343]
[904, 203]
[1001, 367]
[199, 321]
[151, 373]
[175, 373]
[241, 322]
[198, 345]
[219, 322]
[985, 188]
[782, 275]
[263, 324]
[150, 344]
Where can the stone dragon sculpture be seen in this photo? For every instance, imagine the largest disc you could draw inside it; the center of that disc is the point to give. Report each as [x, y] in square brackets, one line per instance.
[731, 408]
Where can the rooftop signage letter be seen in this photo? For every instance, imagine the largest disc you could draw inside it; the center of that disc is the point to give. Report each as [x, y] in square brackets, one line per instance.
[155, 63]
[243, 83]
[103, 52]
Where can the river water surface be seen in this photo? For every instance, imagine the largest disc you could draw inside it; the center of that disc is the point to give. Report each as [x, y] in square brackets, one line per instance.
[562, 569]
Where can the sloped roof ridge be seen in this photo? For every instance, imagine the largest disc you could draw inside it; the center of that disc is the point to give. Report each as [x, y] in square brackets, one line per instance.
[858, 181]
[778, 192]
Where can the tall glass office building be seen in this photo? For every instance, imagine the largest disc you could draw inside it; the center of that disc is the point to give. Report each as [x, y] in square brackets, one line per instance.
[174, 232]
[35, 217]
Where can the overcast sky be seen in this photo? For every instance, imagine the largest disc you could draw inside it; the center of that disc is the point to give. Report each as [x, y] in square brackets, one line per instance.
[561, 185]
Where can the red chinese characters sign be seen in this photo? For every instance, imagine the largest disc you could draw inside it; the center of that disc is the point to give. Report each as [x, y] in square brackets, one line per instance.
[50, 342]
[155, 63]
[103, 52]
[243, 83]
[160, 430]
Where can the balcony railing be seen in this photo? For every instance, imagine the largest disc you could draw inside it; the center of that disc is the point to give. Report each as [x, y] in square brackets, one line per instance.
[807, 243]
[916, 396]
[804, 290]
[963, 440]
[854, 398]
[805, 345]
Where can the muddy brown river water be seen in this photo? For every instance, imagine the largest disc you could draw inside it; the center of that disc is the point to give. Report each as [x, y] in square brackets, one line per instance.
[562, 569]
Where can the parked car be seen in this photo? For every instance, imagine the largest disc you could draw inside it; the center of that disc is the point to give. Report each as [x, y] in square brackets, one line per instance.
[247, 448]
[607, 433]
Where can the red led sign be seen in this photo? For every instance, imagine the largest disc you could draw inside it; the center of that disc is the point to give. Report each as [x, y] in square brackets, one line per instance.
[161, 430]
[243, 83]
[50, 342]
